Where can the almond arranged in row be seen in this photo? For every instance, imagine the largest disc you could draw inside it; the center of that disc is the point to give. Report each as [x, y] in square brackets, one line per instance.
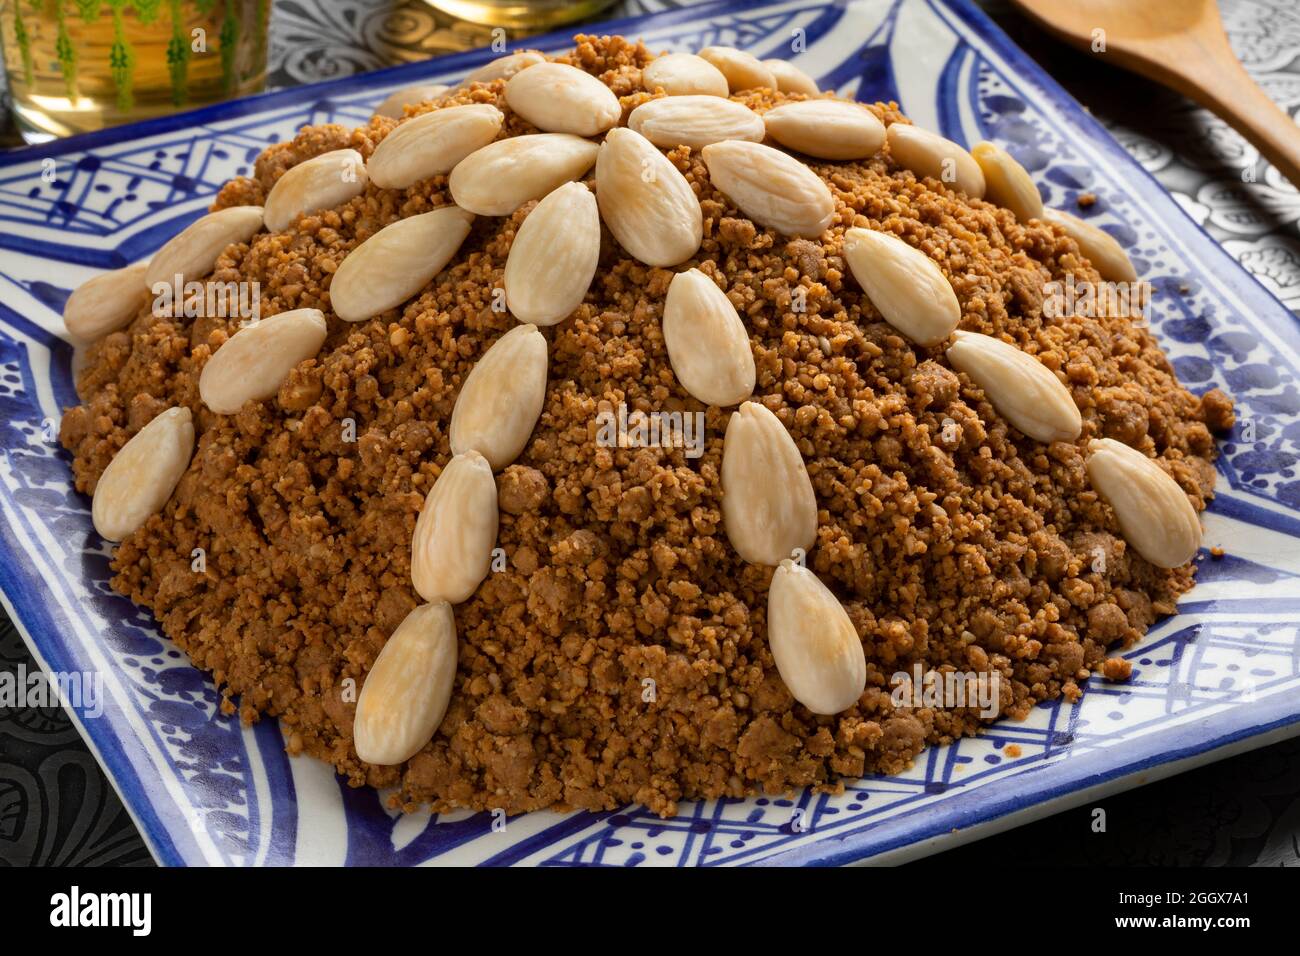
[695, 121]
[558, 98]
[771, 187]
[502, 398]
[1023, 390]
[432, 143]
[451, 550]
[791, 79]
[742, 70]
[322, 182]
[1154, 513]
[768, 505]
[193, 252]
[684, 74]
[708, 346]
[645, 201]
[1101, 248]
[553, 257]
[816, 647]
[105, 303]
[904, 284]
[143, 474]
[406, 693]
[502, 176]
[502, 68]
[1006, 183]
[395, 104]
[827, 129]
[397, 262]
[254, 362]
[930, 155]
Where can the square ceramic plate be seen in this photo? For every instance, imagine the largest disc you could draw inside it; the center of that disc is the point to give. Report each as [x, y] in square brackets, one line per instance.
[1218, 678]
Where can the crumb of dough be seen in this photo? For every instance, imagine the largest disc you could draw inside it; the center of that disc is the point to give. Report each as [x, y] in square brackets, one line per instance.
[979, 553]
[1117, 669]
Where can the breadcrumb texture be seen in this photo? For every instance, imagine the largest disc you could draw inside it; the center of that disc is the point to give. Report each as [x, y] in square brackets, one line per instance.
[987, 552]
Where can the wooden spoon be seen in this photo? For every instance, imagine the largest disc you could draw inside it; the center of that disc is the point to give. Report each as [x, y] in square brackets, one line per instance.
[1179, 44]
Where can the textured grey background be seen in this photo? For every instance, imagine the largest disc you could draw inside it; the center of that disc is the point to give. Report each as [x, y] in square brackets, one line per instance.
[56, 806]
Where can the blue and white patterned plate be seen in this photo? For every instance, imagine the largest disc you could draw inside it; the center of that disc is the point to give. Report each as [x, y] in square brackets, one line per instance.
[1218, 678]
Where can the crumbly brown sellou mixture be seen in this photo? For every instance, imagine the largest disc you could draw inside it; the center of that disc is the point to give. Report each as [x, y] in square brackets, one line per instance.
[978, 554]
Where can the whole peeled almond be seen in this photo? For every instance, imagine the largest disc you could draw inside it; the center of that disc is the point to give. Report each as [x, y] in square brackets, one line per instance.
[742, 70]
[816, 647]
[827, 129]
[645, 201]
[695, 121]
[1023, 390]
[451, 550]
[791, 79]
[432, 143]
[394, 105]
[322, 182]
[1154, 513]
[105, 303]
[406, 693]
[553, 257]
[503, 67]
[684, 74]
[558, 98]
[1006, 183]
[1098, 246]
[254, 362]
[192, 253]
[768, 506]
[397, 262]
[143, 474]
[501, 400]
[502, 176]
[904, 284]
[771, 187]
[707, 342]
[929, 154]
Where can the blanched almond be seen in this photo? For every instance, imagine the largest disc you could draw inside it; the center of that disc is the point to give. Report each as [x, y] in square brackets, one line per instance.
[503, 67]
[553, 257]
[1023, 390]
[397, 262]
[684, 74]
[791, 79]
[502, 397]
[1006, 183]
[502, 176]
[928, 154]
[771, 187]
[193, 252]
[406, 693]
[816, 647]
[707, 343]
[143, 474]
[432, 143]
[558, 98]
[904, 284]
[742, 70]
[645, 201]
[322, 182]
[827, 129]
[1154, 513]
[254, 362]
[451, 550]
[105, 303]
[768, 505]
[394, 105]
[1098, 246]
[695, 121]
